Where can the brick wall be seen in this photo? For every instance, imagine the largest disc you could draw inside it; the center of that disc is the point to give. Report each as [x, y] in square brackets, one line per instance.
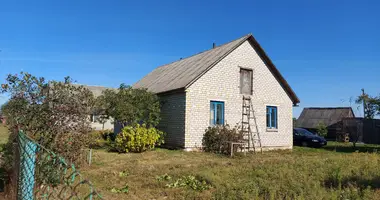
[222, 83]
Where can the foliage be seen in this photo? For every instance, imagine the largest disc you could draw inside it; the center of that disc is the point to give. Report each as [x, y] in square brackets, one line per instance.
[138, 139]
[294, 122]
[164, 177]
[322, 129]
[53, 113]
[192, 182]
[124, 189]
[71, 145]
[123, 173]
[47, 170]
[130, 106]
[98, 139]
[371, 105]
[216, 138]
[54, 176]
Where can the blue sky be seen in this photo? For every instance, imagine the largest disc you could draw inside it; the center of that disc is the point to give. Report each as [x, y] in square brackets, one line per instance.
[326, 49]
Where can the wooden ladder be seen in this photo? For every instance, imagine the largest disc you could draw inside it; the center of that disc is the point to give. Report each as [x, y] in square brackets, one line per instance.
[248, 114]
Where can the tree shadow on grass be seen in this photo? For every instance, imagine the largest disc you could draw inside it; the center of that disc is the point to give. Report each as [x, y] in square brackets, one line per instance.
[357, 181]
[3, 177]
[362, 148]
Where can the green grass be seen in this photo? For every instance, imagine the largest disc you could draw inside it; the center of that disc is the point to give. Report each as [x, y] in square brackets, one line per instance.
[340, 147]
[303, 173]
[3, 134]
[348, 147]
[336, 171]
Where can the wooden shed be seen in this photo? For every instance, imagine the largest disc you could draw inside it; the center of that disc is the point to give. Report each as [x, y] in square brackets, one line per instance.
[332, 117]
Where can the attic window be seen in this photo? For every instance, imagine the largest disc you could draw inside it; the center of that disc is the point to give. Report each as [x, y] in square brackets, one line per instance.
[245, 81]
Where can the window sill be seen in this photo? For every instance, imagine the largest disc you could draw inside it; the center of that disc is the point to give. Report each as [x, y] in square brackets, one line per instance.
[215, 125]
[272, 130]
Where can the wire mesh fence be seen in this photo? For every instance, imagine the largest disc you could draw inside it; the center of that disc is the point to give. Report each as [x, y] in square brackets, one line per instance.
[42, 174]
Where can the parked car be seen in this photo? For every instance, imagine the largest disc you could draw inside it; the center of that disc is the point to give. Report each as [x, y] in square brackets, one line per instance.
[303, 137]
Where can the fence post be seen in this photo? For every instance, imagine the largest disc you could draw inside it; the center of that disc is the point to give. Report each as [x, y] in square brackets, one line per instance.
[27, 167]
[90, 158]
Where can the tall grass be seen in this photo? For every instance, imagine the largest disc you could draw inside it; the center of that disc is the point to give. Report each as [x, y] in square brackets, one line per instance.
[3, 134]
[306, 177]
[302, 174]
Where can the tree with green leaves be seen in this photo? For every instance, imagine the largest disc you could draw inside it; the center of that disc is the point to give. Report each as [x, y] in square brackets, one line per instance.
[371, 105]
[322, 129]
[54, 113]
[130, 106]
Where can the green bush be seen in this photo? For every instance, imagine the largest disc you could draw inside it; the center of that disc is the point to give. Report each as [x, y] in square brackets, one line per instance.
[191, 182]
[70, 146]
[99, 139]
[216, 138]
[322, 129]
[138, 139]
[124, 189]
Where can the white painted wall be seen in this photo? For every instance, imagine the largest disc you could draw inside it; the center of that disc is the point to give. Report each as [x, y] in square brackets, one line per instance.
[108, 125]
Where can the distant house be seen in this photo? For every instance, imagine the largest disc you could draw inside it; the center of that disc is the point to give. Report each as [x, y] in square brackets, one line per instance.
[208, 88]
[331, 117]
[94, 117]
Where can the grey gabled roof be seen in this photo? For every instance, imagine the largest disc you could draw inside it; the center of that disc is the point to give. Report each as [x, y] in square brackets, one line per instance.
[97, 90]
[182, 73]
[178, 74]
[310, 117]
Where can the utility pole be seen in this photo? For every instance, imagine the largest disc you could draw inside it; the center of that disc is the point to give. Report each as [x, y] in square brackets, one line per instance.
[364, 103]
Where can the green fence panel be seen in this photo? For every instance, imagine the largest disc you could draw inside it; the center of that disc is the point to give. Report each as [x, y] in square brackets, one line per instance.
[46, 175]
[27, 168]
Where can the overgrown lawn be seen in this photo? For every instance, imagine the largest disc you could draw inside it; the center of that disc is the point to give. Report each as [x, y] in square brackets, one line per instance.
[303, 173]
[3, 134]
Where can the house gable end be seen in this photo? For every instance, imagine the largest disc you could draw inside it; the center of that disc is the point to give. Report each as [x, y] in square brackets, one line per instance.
[183, 73]
[265, 58]
[222, 84]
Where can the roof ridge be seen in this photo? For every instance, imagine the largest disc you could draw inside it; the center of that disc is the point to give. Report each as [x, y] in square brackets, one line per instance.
[92, 85]
[181, 74]
[245, 36]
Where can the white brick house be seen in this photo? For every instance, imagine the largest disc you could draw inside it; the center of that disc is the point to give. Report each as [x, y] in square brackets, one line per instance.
[208, 88]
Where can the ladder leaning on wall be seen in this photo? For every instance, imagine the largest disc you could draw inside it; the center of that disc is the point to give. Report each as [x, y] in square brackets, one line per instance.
[248, 119]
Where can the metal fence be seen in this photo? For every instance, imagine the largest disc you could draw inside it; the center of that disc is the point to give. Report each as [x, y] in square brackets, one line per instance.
[362, 130]
[42, 174]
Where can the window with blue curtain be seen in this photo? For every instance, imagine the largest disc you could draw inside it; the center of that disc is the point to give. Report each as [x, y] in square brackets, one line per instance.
[216, 113]
[272, 117]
